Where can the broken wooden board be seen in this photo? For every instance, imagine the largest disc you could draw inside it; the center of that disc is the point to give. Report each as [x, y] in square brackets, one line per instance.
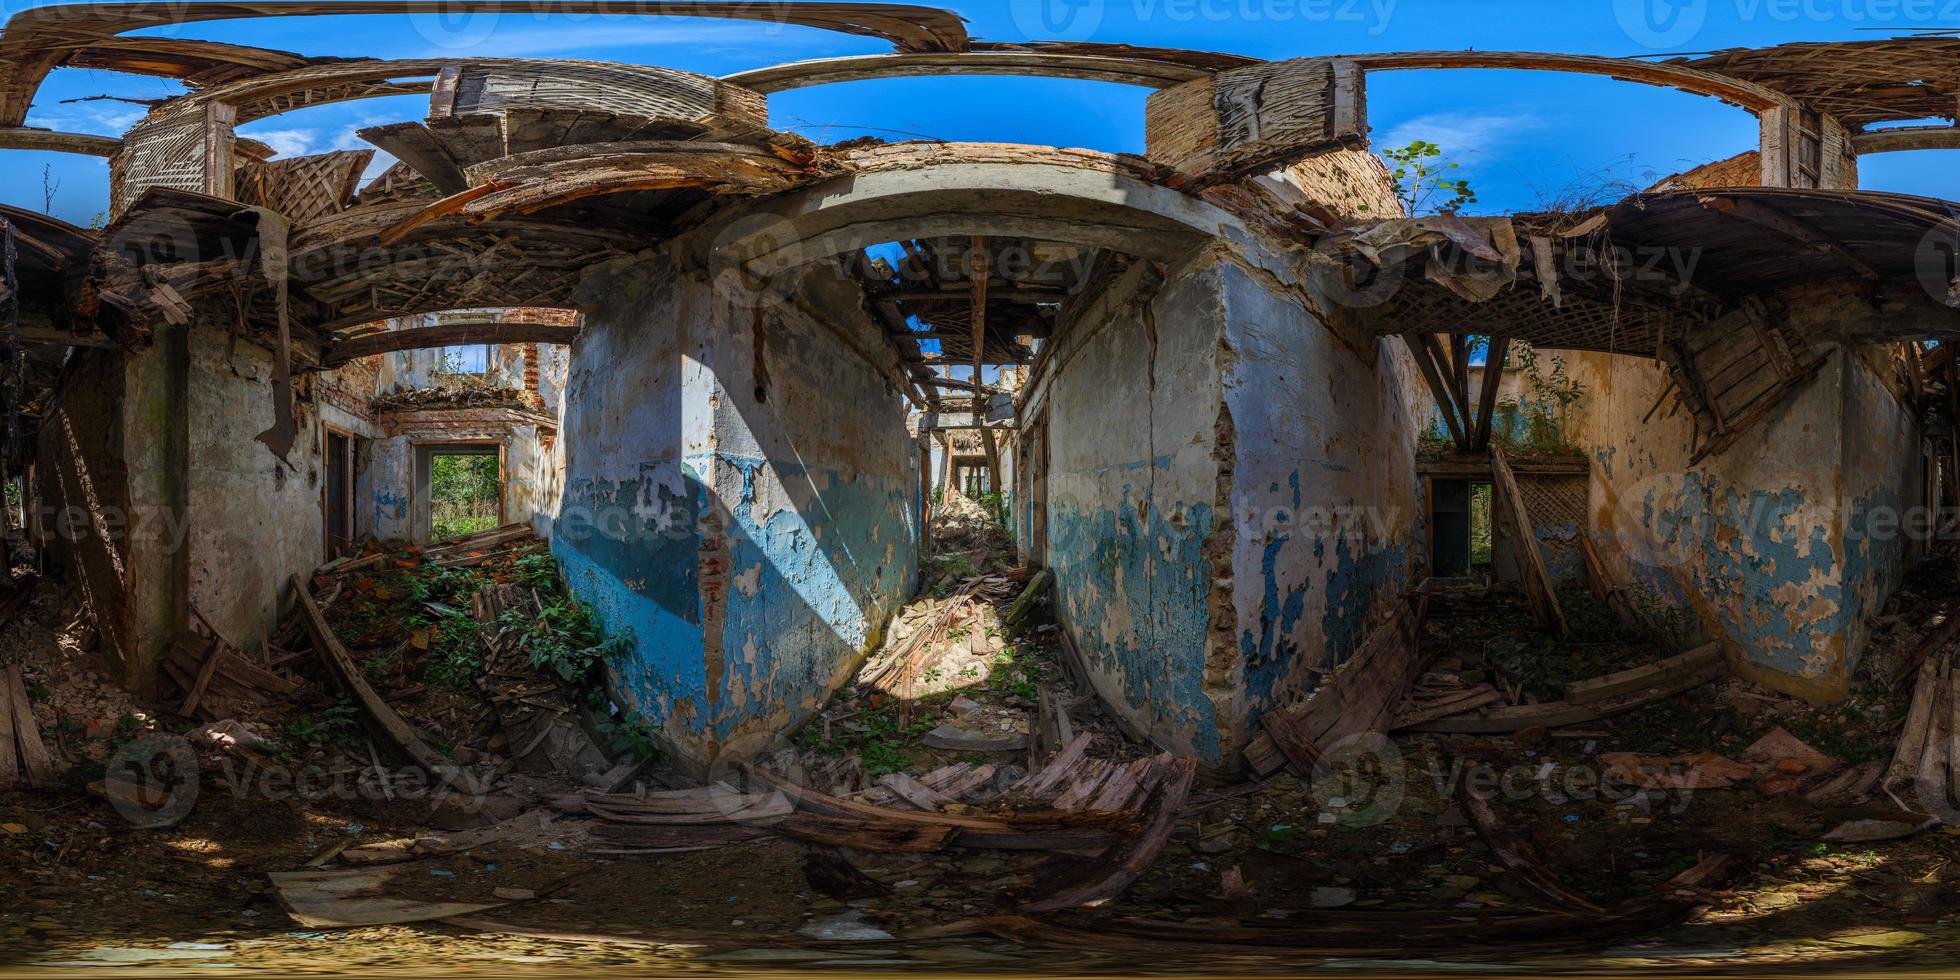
[1456, 703]
[1046, 829]
[1605, 586]
[1516, 857]
[1634, 679]
[345, 899]
[1538, 585]
[36, 768]
[1558, 714]
[9, 759]
[381, 716]
[1358, 697]
[1110, 877]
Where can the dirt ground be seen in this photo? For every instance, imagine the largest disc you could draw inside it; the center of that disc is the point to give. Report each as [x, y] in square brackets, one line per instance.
[87, 890]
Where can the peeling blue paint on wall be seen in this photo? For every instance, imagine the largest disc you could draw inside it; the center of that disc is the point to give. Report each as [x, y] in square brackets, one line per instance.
[1130, 565]
[810, 586]
[1777, 591]
[630, 551]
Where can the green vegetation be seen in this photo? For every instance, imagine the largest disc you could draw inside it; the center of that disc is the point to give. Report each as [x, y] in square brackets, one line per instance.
[464, 494]
[455, 653]
[632, 733]
[877, 737]
[1480, 529]
[336, 726]
[1422, 182]
[563, 638]
[1537, 423]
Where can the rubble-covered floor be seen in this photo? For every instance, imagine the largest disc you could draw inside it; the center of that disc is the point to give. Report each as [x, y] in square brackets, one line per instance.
[92, 891]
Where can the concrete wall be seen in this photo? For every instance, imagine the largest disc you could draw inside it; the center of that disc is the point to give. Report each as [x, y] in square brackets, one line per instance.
[1324, 487]
[1778, 544]
[1231, 497]
[255, 520]
[1133, 403]
[739, 494]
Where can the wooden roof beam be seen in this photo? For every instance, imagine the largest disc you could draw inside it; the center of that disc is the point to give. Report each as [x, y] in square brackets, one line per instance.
[346, 349]
[1793, 228]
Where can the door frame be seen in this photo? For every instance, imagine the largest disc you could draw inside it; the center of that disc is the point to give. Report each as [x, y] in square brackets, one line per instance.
[326, 489]
[422, 528]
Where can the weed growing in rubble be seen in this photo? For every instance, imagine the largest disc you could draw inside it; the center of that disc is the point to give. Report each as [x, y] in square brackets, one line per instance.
[632, 733]
[562, 638]
[455, 654]
[336, 726]
[876, 736]
[537, 571]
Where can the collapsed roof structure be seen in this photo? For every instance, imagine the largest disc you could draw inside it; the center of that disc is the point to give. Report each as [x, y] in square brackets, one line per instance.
[759, 312]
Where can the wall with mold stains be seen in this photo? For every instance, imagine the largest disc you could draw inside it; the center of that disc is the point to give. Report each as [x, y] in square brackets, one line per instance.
[1231, 497]
[1770, 543]
[1323, 484]
[739, 494]
[254, 520]
[1133, 501]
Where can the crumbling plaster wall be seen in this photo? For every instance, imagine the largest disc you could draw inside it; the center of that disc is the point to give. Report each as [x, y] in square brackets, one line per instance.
[1324, 488]
[1230, 496]
[739, 494]
[1780, 544]
[254, 520]
[1133, 401]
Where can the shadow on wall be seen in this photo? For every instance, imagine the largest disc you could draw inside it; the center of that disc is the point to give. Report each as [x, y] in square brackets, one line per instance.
[754, 539]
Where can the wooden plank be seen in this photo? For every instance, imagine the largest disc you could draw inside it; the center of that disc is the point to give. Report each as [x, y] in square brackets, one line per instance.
[214, 652]
[1638, 678]
[1529, 869]
[1561, 713]
[1759, 410]
[513, 331]
[1107, 880]
[1494, 355]
[1483, 695]
[1605, 587]
[1918, 727]
[1538, 582]
[381, 716]
[914, 792]
[9, 759]
[1438, 390]
[344, 899]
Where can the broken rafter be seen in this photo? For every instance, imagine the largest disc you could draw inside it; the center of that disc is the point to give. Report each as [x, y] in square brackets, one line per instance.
[1789, 227]
[381, 717]
[1423, 349]
[1537, 581]
[347, 349]
[1495, 353]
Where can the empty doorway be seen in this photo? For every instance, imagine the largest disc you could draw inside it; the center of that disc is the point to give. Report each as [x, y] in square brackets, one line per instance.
[337, 497]
[459, 490]
[1460, 527]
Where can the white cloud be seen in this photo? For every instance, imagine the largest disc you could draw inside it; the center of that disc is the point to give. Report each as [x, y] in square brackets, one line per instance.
[102, 118]
[1462, 137]
[511, 38]
[286, 142]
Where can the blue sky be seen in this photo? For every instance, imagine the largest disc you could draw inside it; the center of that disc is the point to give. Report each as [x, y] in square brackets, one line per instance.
[1524, 139]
